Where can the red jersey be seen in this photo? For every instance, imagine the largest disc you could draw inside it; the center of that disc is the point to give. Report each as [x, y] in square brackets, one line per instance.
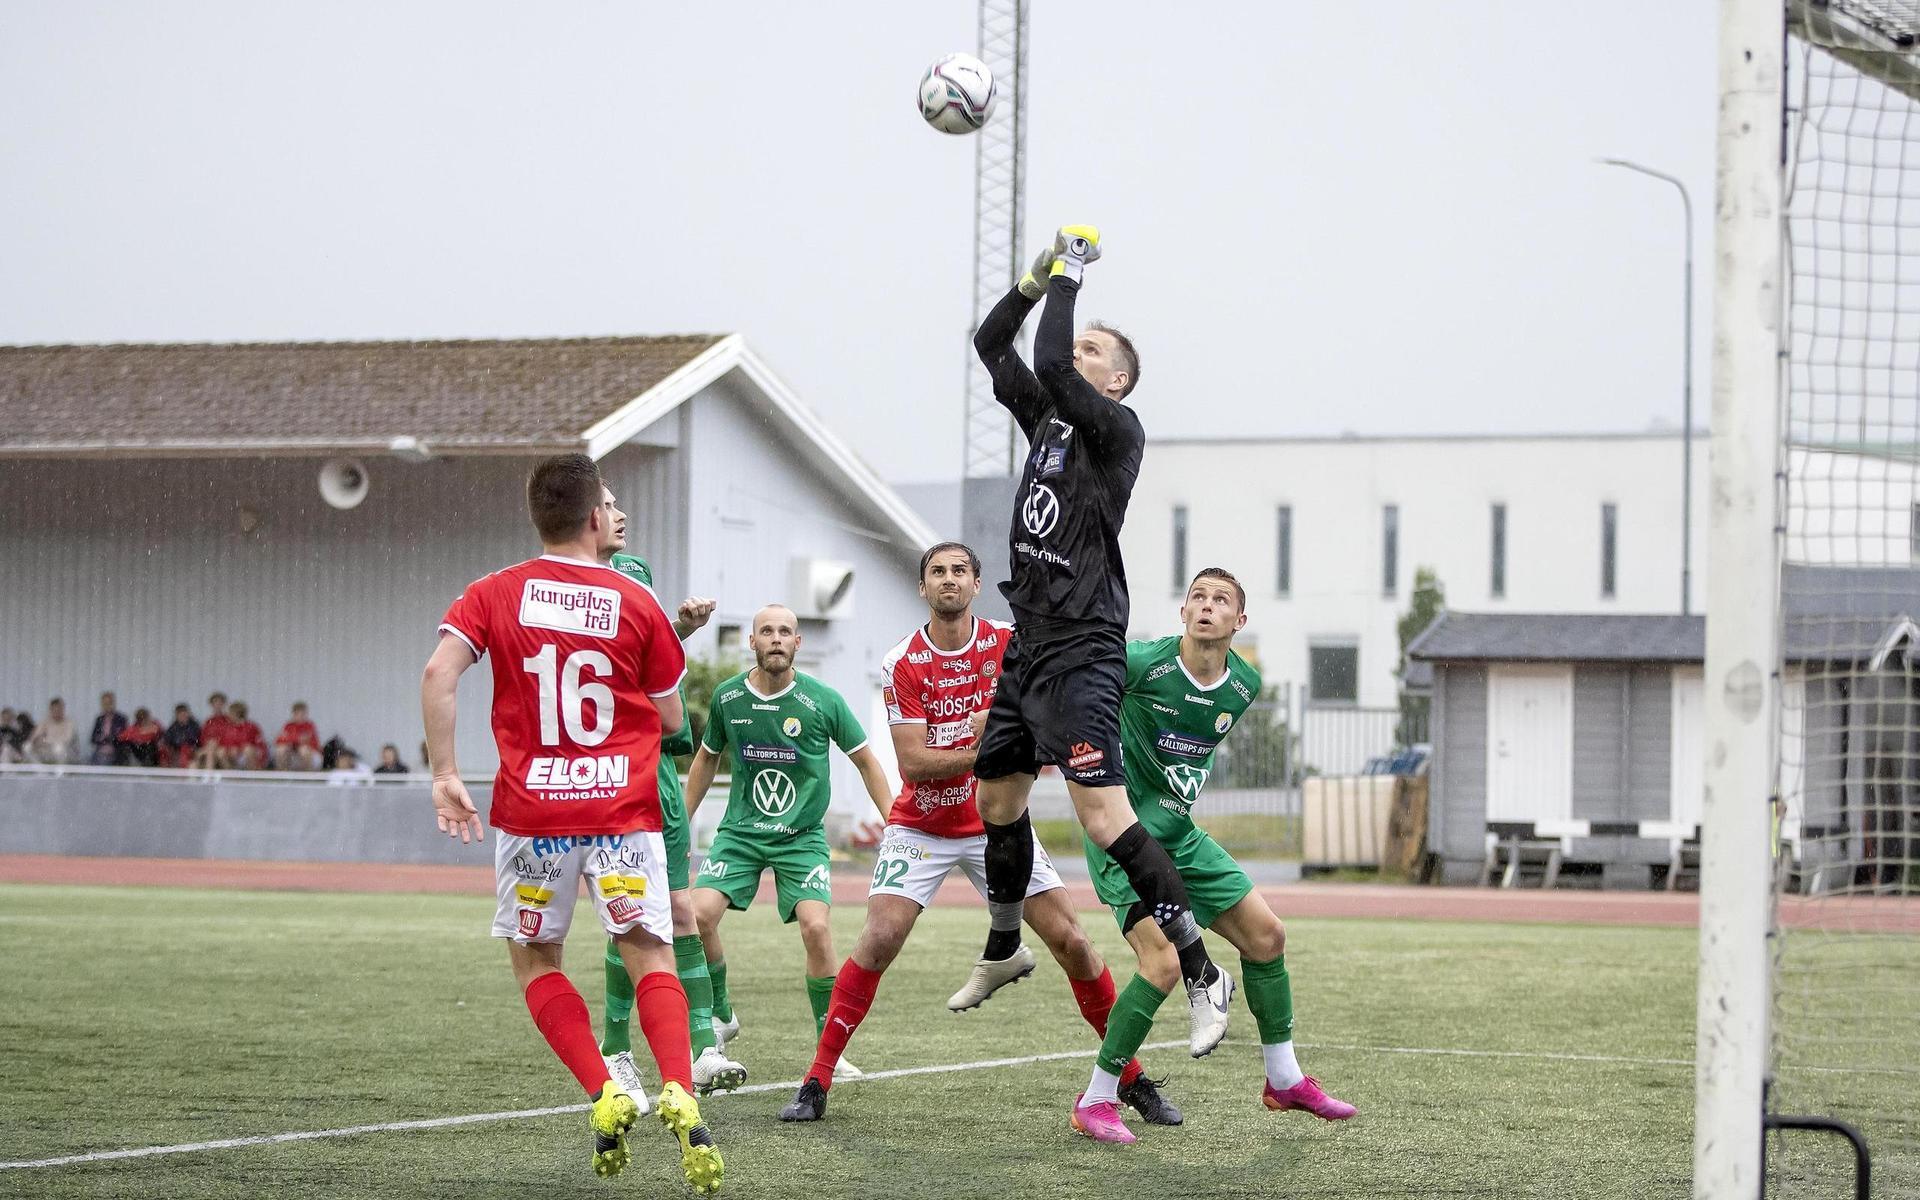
[922, 683]
[218, 730]
[578, 651]
[298, 733]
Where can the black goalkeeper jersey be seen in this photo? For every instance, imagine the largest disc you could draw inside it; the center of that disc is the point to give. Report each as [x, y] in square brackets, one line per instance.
[1084, 455]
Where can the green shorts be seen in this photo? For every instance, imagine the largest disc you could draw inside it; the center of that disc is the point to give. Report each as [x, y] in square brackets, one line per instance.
[800, 869]
[677, 833]
[1215, 883]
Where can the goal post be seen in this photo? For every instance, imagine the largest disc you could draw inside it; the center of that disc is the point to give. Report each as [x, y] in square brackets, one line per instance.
[1742, 648]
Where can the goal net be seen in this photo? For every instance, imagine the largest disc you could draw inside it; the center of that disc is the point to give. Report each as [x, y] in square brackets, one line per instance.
[1845, 1025]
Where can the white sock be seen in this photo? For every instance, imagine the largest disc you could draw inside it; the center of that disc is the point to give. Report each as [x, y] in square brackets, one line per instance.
[1103, 1086]
[1283, 1070]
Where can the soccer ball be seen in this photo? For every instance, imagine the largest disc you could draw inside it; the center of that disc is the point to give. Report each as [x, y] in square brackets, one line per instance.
[956, 94]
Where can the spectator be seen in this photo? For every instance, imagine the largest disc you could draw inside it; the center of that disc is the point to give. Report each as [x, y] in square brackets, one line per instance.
[13, 741]
[214, 733]
[140, 741]
[246, 743]
[56, 740]
[298, 746]
[347, 769]
[390, 763]
[105, 739]
[181, 740]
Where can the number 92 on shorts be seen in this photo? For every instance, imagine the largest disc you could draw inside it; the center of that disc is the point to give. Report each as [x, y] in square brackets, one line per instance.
[537, 879]
[913, 864]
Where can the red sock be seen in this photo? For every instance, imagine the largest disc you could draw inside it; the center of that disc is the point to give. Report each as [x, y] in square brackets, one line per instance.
[1095, 997]
[853, 990]
[660, 1004]
[561, 1016]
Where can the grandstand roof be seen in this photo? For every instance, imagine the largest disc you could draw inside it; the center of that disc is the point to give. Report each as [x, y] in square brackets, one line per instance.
[319, 397]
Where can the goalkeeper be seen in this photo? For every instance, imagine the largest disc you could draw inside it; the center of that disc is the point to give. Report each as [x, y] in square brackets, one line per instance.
[1059, 696]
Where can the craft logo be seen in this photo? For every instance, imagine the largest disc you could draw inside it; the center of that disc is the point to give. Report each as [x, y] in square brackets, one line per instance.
[773, 793]
[570, 607]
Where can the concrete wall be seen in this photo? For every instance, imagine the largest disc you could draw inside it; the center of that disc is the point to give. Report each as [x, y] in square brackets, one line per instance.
[1444, 488]
[143, 817]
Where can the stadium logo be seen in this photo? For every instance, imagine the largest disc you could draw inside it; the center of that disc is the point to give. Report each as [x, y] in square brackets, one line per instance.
[577, 774]
[773, 793]
[1186, 780]
[1223, 722]
[1041, 511]
[790, 727]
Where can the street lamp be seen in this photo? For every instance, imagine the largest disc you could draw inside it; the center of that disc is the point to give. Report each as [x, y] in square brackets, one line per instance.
[1686, 392]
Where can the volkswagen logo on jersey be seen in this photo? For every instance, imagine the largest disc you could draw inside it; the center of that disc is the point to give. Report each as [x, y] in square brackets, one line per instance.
[1041, 511]
[1186, 780]
[773, 793]
[790, 727]
[1223, 722]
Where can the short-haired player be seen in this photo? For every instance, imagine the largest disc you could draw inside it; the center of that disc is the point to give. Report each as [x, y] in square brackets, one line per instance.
[937, 683]
[1183, 696]
[586, 671]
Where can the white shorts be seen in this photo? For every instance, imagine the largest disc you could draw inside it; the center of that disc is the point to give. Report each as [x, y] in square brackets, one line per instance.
[537, 880]
[914, 864]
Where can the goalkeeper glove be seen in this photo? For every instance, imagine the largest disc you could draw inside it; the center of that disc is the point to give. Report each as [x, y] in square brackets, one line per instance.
[1033, 285]
[1073, 248]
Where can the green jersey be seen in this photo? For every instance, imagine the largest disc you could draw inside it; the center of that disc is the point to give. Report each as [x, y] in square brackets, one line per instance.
[779, 753]
[1170, 727]
[680, 742]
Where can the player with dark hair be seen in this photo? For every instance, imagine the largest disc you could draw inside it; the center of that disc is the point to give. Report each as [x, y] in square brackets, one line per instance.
[1184, 694]
[937, 683]
[1059, 695]
[586, 675]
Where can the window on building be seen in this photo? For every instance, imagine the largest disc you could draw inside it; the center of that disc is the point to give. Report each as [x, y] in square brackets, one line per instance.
[1390, 549]
[1609, 547]
[1498, 584]
[1333, 672]
[1179, 549]
[1283, 577]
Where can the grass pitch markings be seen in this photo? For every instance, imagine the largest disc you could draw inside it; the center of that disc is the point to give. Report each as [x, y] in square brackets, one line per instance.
[987, 1064]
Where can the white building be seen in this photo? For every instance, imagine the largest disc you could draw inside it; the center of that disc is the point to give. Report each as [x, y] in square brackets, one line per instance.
[1326, 534]
[163, 535]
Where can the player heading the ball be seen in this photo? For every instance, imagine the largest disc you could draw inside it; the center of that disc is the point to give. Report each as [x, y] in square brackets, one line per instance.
[586, 672]
[1059, 696]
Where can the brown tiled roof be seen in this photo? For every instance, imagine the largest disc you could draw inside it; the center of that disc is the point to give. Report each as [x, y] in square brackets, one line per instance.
[475, 395]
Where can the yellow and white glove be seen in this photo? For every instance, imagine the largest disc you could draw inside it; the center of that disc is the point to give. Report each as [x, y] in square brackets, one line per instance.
[1074, 246]
[1033, 285]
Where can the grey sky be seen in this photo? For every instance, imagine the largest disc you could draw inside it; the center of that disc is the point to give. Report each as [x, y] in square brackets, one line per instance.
[1379, 218]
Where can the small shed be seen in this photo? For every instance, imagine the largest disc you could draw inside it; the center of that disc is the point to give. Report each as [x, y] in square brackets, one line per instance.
[1590, 729]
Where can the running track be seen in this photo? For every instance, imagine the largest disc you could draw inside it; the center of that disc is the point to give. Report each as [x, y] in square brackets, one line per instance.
[1859, 914]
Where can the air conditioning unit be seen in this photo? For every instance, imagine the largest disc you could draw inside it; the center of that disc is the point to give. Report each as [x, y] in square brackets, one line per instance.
[821, 589]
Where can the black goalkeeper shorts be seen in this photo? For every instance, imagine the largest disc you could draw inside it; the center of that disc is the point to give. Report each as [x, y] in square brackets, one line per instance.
[1058, 702]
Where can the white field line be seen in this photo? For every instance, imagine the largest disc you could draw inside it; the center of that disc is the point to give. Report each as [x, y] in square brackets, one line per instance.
[789, 1085]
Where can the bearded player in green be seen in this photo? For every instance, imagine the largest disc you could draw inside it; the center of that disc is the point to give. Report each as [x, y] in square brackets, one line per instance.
[1182, 696]
[775, 725]
[712, 1069]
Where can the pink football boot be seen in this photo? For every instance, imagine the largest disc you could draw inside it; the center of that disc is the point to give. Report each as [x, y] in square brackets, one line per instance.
[1100, 1121]
[1307, 1096]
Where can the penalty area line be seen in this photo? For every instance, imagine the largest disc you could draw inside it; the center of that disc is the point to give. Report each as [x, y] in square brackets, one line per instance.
[987, 1064]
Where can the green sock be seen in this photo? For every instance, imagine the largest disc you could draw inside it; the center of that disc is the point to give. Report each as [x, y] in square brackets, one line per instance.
[690, 960]
[717, 976]
[1270, 996]
[619, 1004]
[820, 995]
[1128, 1024]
